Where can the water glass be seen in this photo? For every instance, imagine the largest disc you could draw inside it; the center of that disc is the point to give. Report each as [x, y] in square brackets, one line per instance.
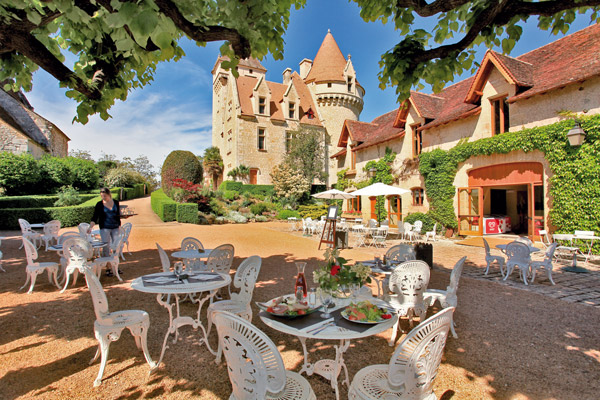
[312, 297]
[327, 301]
[178, 268]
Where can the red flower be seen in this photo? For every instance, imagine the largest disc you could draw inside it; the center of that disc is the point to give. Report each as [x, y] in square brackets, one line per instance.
[335, 269]
[386, 316]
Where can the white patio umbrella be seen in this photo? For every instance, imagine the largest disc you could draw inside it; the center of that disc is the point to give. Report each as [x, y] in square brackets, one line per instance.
[333, 194]
[380, 189]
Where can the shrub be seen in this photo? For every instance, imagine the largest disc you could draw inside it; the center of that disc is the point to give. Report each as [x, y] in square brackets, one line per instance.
[163, 206]
[54, 173]
[426, 219]
[104, 167]
[18, 174]
[187, 213]
[313, 211]
[261, 218]
[236, 217]
[217, 207]
[180, 164]
[259, 208]
[258, 190]
[230, 195]
[85, 173]
[231, 185]
[68, 216]
[67, 196]
[124, 177]
[285, 214]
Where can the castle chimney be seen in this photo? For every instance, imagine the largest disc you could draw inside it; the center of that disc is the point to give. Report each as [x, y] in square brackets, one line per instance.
[305, 66]
[287, 76]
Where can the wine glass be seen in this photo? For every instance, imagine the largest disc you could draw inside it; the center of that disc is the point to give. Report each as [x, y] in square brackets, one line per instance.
[327, 301]
[178, 268]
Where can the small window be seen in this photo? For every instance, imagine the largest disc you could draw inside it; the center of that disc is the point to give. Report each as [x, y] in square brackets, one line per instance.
[354, 205]
[288, 141]
[417, 140]
[251, 71]
[262, 105]
[349, 84]
[328, 84]
[352, 160]
[261, 139]
[417, 194]
[500, 116]
[292, 110]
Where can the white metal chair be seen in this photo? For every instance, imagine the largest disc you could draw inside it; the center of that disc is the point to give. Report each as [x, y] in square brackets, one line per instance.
[101, 263]
[164, 259]
[255, 367]
[489, 259]
[83, 229]
[50, 232]
[34, 268]
[408, 282]
[28, 233]
[109, 325]
[546, 263]
[190, 243]
[379, 236]
[400, 253]
[417, 226]
[431, 233]
[77, 251]
[408, 232]
[519, 256]
[239, 303]
[448, 298]
[61, 241]
[412, 368]
[525, 240]
[220, 260]
[361, 236]
[126, 227]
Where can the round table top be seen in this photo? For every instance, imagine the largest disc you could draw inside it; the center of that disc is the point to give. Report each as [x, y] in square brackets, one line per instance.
[532, 249]
[191, 253]
[96, 244]
[166, 283]
[38, 225]
[333, 332]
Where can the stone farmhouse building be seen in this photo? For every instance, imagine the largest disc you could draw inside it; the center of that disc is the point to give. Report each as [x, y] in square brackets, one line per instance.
[497, 192]
[253, 118]
[24, 131]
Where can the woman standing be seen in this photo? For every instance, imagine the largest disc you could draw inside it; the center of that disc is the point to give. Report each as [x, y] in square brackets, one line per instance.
[108, 216]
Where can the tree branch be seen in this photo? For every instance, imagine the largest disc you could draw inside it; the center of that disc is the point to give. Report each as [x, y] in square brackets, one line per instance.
[240, 45]
[423, 9]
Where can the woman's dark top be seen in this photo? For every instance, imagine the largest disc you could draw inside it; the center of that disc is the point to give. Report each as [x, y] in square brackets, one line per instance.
[107, 219]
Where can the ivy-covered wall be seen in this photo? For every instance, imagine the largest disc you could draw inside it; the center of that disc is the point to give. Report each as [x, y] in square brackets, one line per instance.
[574, 185]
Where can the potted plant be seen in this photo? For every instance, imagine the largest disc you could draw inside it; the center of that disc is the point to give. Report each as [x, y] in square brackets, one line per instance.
[337, 277]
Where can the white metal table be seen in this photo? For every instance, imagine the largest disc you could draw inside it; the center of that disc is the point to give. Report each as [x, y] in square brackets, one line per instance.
[166, 283]
[326, 330]
[293, 222]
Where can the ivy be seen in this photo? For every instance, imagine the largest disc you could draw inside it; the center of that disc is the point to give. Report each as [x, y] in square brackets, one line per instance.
[574, 184]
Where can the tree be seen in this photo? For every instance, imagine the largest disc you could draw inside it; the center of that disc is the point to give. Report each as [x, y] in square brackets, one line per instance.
[289, 183]
[213, 163]
[425, 56]
[241, 172]
[307, 154]
[83, 154]
[118, 43]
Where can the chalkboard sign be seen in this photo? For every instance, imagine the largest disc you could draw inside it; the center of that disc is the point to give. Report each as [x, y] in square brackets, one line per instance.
[332, 212]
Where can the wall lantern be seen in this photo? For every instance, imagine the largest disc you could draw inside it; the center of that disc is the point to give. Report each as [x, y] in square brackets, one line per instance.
[372, 172]
[576, 135]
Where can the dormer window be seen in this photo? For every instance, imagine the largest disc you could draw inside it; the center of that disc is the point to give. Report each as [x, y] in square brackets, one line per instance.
[262, 105]
[350, 84]
[292, 110]
[310, 113]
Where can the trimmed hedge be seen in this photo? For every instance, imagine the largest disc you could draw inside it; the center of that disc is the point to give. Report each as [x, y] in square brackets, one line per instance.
[68, 216]
[313, 211]
[231, 185]
[37, 201]
[265, 190]
[163, 206]
[187, 213]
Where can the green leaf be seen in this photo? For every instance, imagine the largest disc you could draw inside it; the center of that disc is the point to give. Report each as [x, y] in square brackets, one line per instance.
[34, 17]
[162, 39]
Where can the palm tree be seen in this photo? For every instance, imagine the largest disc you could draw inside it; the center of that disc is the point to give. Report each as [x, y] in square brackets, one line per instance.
[213, 165]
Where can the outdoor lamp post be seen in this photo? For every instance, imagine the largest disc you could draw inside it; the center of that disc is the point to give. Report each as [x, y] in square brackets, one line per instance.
[576, 135]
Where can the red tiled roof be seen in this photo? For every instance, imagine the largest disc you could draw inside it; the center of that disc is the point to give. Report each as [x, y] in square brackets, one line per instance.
[251, 62]
[339, 153]
[246, 84]
[571, 59]
[367, 134]
[329, 62]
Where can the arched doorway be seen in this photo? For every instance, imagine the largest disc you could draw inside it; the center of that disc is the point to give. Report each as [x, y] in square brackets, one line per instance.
[394, 210]
[501, 198]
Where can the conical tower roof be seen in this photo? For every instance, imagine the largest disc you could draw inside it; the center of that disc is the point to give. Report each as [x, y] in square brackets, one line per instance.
[329, 63]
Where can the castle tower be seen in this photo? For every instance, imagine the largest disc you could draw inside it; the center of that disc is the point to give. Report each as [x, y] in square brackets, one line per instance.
[338, 95]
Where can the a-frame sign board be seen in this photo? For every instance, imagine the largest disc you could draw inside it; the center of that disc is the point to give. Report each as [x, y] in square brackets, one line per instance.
[328, 234]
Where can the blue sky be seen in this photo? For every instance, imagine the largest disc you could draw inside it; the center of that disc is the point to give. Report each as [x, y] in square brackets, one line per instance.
[174, 112]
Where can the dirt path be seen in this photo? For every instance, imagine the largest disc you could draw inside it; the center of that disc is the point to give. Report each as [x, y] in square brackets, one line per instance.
[513, 344]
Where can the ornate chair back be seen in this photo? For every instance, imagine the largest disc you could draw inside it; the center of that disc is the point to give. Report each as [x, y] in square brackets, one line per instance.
[417, 358]
[164, 259]
[98, 297]
[83, 229]
[518, 253]
[51, 228]
[487, 247]
[220, 259]
[409, 281]
[372, 223]
[418, 226]
[407, 227]
[62, 238]
[190, 243]
[454, 278]
[126, 227]
[25, 226]
[245, 279]
[255, 365]
[30, 252]
[524, 239]
[550, 252]
[76, 250]
[400, 253]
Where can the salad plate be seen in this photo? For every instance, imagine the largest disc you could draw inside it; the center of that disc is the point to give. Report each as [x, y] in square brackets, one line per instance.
[286, 307]
[365, 312]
